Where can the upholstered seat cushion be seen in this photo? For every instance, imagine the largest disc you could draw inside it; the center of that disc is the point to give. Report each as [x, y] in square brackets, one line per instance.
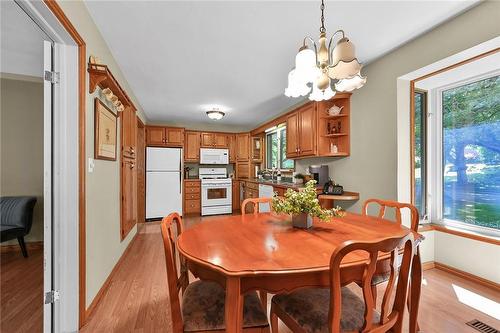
[309, 309]
[203, 308]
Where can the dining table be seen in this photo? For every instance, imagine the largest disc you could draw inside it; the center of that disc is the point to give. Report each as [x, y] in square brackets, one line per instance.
[265, 252]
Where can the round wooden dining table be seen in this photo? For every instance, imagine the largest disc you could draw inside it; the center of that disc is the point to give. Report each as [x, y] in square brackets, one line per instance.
[265, 252]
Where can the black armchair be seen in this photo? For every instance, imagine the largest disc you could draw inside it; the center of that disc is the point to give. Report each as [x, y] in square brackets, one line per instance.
[16, 219]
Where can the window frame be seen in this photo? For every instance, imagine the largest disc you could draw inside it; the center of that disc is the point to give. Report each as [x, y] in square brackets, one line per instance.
[279, 128]
[423, 164]
[435, 147]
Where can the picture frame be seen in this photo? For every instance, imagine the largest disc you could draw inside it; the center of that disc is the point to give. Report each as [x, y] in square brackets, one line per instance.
[105, 132]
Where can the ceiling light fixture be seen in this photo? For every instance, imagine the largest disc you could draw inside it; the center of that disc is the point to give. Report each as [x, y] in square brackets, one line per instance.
[317, 70]
[215, 114]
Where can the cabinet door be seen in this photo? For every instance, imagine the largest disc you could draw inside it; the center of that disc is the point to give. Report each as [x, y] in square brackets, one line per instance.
[236, 195]
[192, 147]
[155, 136]
[128, 189]
[242, 169]
[232, 148]
[174, 137]
[307, 130]
[207, 140]
[242, 144]
[221, 140]
[292, 135]
[257, 148]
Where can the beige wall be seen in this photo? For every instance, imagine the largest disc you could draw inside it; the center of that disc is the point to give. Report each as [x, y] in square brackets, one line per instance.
[372, 167]
[21, 118]
[104, 246]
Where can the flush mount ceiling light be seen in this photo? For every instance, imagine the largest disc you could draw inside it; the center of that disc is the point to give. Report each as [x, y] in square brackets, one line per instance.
[215, 114]
[317, 70]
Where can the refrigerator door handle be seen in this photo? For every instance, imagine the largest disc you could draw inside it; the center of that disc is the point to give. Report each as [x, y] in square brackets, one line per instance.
[180, 176]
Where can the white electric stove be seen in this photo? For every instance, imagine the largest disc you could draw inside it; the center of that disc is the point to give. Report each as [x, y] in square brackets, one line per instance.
[216, 191]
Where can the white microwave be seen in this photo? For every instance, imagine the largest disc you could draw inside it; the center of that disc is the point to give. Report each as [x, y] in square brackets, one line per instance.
[214, 156]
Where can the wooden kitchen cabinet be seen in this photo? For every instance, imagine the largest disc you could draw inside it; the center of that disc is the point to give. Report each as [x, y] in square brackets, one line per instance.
[243, 169]
[232, 148]
[192, 196]
[164, 136]
[221, 140]
[192, 144]
[236, 195]
[257, 148]
[207, 140]
[128, 173]
[214, 140]
[301, 132]
[242, 146]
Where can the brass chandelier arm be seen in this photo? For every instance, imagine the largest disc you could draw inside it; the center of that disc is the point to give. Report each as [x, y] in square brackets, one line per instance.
[330, 49]
[304, 45]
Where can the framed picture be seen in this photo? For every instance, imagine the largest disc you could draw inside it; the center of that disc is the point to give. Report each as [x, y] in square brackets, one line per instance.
[105, 129]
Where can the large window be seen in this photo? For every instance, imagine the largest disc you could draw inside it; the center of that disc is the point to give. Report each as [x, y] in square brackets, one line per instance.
[471, 153]
[420, 123]
[276, 149]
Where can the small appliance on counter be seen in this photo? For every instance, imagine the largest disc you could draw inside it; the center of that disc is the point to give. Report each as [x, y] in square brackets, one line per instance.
[216, 191]
[332, 188]
[320, 174]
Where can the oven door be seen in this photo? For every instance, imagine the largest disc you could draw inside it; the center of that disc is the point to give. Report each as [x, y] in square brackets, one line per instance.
[216, 195]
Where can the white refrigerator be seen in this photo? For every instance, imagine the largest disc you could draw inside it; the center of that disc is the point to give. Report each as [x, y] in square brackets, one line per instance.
[163, 181]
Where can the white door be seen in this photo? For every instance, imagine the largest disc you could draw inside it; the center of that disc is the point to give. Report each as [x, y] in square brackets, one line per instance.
[163, 159]
[47, 188]
[163, 193]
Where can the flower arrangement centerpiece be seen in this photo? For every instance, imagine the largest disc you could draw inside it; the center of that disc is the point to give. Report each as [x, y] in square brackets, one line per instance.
[303, 205]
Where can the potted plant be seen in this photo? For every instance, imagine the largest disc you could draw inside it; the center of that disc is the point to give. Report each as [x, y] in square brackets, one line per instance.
[298, 178]
[303, 205]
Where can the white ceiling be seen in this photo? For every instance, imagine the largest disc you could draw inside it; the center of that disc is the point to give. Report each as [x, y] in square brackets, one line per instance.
[21, 42]
[182, 57]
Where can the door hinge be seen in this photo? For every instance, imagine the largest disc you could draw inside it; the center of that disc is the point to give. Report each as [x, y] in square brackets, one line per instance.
[51, 296]
[52, 77]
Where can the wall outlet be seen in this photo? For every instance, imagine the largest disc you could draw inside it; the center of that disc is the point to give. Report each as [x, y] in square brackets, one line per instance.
[91, 165]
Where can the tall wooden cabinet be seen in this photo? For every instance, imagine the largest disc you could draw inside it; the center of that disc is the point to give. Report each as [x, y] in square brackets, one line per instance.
[192, 142]
[128, 171]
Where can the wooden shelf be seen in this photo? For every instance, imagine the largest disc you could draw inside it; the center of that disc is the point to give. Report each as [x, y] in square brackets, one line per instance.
[347, 196]
[334, 135]
[334, 116]
[100, 75]
[339, 154]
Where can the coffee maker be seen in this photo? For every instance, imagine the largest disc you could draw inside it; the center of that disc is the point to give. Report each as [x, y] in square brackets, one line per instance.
[320, 174]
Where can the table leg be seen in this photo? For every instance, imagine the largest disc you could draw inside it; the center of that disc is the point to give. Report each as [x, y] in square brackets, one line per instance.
[416, 285]
[234, 305]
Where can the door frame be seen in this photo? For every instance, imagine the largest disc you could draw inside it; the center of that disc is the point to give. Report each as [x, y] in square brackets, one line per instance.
[68, 162]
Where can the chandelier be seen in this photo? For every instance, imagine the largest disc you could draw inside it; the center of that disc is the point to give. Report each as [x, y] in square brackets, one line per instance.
[215, 114]
[318, 69]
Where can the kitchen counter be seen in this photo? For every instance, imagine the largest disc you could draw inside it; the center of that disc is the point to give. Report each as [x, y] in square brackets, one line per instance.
[276, 183]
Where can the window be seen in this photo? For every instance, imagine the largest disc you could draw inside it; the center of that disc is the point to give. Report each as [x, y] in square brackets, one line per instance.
[276, 149]
[471, 153]
[420, 126]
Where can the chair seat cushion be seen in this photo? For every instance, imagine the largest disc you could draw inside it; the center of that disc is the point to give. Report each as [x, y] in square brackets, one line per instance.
[309, 309]
[203, 308]
[8, 232]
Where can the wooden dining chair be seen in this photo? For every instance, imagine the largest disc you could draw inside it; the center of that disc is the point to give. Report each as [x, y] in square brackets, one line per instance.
[200, 307]
[339, 309]
[382, 213]
[255, 203]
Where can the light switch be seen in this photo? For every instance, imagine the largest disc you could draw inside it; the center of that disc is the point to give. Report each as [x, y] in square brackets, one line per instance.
[91, 165]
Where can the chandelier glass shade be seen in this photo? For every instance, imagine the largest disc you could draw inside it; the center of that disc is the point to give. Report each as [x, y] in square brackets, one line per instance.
[317, 69]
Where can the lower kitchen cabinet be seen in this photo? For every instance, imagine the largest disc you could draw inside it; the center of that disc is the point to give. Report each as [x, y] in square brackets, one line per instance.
[192, 196]
[236, 195]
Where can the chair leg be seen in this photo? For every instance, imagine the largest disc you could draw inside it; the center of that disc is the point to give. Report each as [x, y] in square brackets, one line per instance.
[408, 302]
[274, 320]
[374, 293]
[263, 299]
[23, 246]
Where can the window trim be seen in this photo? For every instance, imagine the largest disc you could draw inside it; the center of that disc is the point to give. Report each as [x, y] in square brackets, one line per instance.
[279, 128]
[423, 163]
[435, 142]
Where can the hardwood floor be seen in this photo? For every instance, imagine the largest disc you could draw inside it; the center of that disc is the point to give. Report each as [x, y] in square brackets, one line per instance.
[137, 300]
[21, 292]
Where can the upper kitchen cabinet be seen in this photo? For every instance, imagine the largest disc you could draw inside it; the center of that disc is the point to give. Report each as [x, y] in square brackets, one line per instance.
[232, 148]
[164, 136]
[192, 146]
[214, 140]
[307, 130]
[242, 146]
[257, 148]
[292, 135]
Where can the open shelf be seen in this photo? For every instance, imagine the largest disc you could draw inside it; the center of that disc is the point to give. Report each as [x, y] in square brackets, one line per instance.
[100, 75]
[335, 116]
[334, 129]
[333, 135]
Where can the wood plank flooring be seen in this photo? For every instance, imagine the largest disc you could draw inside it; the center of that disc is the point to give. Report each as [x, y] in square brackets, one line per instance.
[21, 292]
[137, 300]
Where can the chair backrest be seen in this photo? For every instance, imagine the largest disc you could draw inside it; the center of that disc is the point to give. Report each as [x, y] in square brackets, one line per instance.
[398, 206]
[255, 202]
[177, 273]
[17, 211]
[390, 319]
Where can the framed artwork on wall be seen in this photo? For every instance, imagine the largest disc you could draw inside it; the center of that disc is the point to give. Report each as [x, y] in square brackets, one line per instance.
[105, 129]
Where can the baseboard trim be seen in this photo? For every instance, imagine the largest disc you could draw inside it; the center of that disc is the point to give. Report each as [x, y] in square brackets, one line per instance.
[105, 286]
[31, 246]
[465, 275]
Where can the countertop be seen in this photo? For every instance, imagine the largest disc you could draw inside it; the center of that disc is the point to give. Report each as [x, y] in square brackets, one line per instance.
[276, 183]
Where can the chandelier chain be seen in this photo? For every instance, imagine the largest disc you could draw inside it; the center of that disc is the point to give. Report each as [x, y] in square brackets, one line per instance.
[322, 7]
